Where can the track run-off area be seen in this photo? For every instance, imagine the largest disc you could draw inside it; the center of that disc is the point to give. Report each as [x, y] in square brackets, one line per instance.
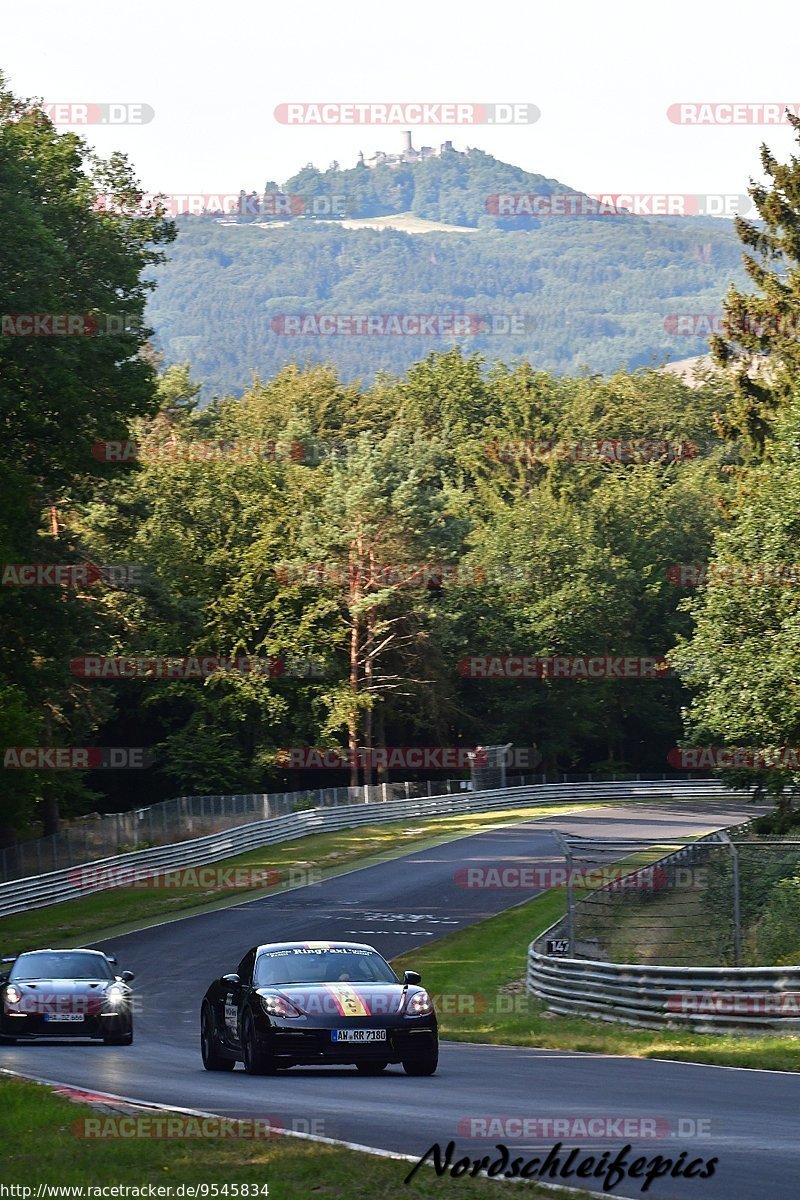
[746, 1118]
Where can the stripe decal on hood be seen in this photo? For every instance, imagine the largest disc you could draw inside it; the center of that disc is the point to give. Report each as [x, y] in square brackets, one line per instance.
[348, 1001]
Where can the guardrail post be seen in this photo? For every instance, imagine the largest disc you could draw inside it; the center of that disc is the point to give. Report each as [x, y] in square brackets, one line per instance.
[566, 850]
[737, 912]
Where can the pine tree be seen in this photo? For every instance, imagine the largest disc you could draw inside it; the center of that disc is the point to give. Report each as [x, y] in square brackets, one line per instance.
[760, 347]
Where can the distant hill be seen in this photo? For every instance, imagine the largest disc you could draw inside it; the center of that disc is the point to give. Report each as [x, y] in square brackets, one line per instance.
[691, 370]
[455, 187]
[567, 293]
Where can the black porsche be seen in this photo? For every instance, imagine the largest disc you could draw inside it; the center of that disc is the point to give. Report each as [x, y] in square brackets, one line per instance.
[65, 993]
[308, 1003]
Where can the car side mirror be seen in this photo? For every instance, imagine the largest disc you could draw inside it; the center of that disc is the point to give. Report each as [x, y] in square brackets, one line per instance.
[112, 958]
[127, 976]
[232, 978]
[412, 977]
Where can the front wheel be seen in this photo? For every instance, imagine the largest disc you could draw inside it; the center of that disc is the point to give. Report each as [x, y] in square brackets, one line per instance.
[257, 1061]
[212, 1059]
[422, 1064]
[119, 1039]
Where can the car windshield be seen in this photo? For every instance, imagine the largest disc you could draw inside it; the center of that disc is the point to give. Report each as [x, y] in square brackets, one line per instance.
[332, 965]
[61, 964]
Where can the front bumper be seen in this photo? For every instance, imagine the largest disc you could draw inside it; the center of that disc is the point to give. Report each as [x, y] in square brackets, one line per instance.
[304, 1045]
[34, 1025]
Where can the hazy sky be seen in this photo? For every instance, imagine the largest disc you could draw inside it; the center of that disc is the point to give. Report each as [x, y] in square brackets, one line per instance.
[603, 76]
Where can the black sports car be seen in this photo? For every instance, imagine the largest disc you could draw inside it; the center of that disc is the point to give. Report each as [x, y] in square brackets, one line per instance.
[65, 993]
[305, 1003]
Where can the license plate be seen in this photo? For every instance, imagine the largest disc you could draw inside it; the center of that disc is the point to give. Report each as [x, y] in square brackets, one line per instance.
[358, 1035]
[63, 1017]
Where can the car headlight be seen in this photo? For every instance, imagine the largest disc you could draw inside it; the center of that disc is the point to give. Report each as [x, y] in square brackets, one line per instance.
[419, 1005]
[278, 1006]
[115, 995]
[13, 994]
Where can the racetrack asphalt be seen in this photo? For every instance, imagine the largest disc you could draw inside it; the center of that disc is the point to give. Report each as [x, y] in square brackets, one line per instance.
[748, 1119]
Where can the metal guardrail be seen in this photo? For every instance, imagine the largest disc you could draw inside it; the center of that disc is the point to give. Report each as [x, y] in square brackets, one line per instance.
[74, 882]
[87, 838]
[707, 998]
[96, 835]
[704, 998]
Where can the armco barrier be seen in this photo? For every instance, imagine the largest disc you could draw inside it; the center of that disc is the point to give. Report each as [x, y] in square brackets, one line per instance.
[184, 817]
[704, 998]
[57, 886]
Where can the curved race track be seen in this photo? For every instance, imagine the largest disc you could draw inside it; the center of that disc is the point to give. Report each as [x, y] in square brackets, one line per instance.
[748, 1118]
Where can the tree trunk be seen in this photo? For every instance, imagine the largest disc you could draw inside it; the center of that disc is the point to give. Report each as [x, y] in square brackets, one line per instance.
[380, 738]
[48, 805]
[355, 639]
[369, 672]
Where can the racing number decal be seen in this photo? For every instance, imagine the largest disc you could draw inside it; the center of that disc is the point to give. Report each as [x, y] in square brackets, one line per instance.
[231, 1013]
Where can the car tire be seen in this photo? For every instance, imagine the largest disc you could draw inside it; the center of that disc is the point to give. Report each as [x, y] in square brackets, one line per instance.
[422, 1064]
[213, 1060]
[119, 1039]
[371, 1068]
[257, 1061]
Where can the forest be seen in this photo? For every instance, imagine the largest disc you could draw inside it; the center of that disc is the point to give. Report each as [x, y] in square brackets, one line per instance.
[366, 538]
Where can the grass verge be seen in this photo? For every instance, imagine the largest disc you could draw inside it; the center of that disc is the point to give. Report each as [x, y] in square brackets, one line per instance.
[41, 1145]
[476, 975]
[116, 911]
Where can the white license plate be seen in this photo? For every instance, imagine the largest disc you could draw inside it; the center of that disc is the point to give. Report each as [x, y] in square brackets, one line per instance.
[63, 1017]
[358, 1035]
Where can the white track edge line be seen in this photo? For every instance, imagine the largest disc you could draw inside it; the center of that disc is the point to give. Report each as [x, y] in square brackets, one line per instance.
[308, 1137]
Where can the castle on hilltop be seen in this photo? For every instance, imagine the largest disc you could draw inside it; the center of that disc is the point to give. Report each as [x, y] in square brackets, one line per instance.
[407, 155]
